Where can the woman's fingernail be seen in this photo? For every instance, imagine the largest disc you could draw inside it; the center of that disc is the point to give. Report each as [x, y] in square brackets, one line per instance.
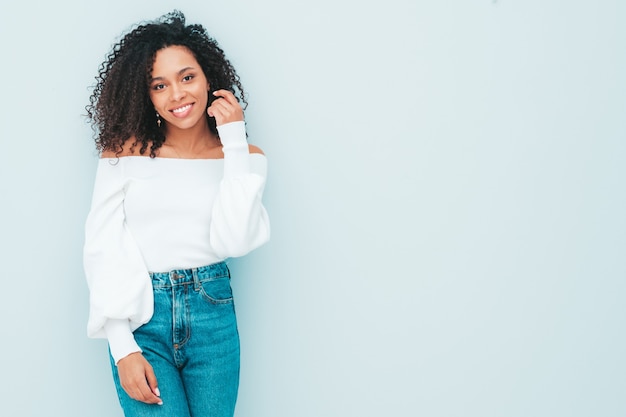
[160, 403]
[157, 392]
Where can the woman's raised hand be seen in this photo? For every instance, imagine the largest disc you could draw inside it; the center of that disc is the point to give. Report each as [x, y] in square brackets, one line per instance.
[226, 108]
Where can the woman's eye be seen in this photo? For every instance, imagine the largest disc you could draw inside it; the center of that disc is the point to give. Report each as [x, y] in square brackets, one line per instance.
[158, 86]
[187, 77]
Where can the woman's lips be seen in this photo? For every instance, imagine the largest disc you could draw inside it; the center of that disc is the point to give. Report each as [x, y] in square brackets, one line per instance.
[182, 111]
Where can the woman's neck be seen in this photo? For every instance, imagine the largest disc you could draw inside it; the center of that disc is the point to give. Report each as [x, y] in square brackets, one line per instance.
[191, 141]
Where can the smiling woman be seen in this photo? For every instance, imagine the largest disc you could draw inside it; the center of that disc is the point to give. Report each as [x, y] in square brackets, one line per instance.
[142, 67]
[179, 90]
[170, 128]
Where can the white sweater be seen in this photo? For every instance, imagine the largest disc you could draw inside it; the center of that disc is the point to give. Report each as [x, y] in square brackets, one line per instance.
[160, 214]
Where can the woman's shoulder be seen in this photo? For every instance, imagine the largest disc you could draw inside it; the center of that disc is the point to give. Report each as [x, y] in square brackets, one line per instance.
[255, 149]
[131, 147]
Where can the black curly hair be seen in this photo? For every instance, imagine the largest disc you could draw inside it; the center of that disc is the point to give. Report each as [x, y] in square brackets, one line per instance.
[120, 107]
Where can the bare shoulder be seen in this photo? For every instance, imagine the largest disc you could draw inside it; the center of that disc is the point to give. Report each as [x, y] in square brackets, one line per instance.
[255, 149]
[130, 148]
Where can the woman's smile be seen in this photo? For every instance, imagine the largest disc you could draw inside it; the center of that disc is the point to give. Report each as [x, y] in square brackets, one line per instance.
[182, 111]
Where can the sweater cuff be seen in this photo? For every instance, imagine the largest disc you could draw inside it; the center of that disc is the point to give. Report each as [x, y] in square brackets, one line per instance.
[235, 147]
[121, 340]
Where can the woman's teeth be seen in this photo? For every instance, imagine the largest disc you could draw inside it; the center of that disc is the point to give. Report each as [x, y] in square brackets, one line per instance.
[181, 109]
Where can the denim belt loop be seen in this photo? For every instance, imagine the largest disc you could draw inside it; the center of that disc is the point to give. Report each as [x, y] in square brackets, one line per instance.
[196, 281]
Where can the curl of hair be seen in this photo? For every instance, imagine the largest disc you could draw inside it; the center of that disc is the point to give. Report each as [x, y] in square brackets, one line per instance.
[120, 107]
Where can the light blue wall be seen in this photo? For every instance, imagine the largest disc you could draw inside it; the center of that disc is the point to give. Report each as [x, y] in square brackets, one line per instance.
[446, 190]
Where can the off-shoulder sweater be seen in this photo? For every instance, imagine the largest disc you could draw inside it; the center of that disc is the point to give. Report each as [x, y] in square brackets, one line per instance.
[160, 214]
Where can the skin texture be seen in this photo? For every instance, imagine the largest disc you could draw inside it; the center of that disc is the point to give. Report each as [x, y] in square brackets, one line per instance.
[178, 82]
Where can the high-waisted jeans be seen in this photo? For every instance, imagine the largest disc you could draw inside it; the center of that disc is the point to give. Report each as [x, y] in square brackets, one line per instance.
[192, 343]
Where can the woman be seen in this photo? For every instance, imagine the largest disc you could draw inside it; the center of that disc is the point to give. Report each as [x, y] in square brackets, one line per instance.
[177, 191]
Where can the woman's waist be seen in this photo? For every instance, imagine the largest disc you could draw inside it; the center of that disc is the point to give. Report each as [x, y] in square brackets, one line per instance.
[183, 276]
[165, 258]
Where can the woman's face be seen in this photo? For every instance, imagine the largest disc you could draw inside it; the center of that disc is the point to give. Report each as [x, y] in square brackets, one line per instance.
[178, 88]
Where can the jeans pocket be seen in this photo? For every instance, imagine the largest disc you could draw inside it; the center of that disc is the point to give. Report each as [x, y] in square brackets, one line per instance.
[216, 290]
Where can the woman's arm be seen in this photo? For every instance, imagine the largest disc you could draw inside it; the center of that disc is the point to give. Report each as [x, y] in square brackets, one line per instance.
[120, 290]
[239, 222]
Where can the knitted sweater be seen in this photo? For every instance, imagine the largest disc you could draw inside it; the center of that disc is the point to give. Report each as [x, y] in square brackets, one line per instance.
[159, 214]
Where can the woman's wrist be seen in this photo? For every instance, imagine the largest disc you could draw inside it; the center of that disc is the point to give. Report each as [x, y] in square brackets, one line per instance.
[235, 148]
[233, 136]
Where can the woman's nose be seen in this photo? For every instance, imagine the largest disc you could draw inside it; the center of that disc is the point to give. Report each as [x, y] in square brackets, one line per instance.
[177, 92]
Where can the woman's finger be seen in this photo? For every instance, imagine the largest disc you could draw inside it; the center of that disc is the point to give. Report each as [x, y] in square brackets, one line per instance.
[225, 111]
[226, 95]
[135, 374]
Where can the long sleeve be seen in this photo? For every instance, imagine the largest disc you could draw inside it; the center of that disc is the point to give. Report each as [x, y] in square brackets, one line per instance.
[119, 283]
[239, 222]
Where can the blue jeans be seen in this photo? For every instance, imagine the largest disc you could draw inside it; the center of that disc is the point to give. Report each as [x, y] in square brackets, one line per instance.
[192, 343]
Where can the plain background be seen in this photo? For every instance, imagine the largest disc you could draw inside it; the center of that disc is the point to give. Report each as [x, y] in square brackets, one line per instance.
[446, 191]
